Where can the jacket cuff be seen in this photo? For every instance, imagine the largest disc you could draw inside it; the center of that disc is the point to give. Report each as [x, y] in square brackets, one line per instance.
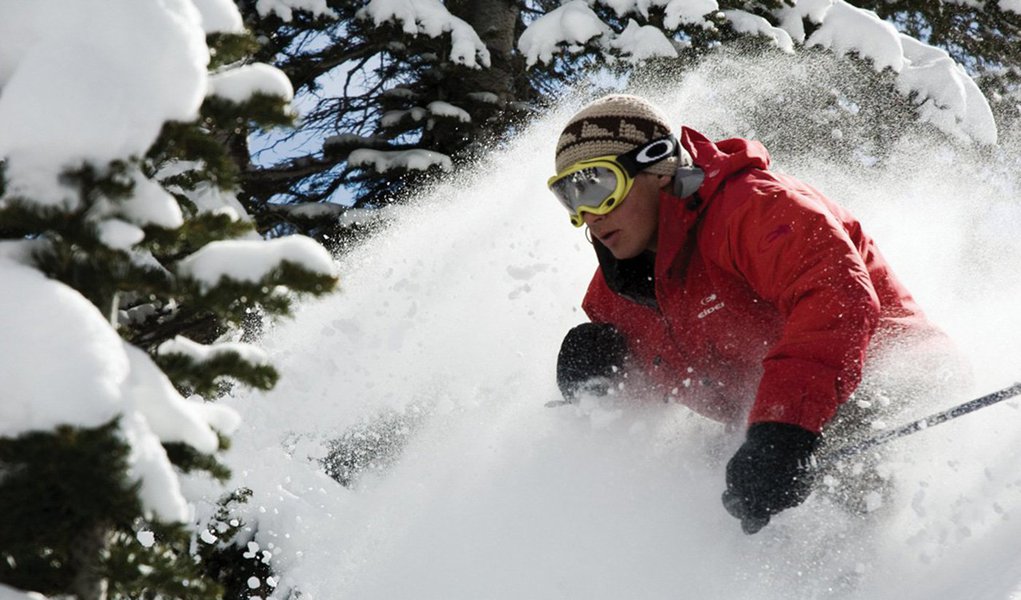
[797, 392]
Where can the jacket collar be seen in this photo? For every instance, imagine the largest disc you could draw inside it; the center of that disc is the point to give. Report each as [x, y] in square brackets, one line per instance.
[720, 160]
[678, 217]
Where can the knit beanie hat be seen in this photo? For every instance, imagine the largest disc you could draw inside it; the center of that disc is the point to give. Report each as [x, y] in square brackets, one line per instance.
[613, 125]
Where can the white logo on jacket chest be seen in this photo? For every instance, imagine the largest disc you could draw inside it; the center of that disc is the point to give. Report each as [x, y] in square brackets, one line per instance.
[711, 304]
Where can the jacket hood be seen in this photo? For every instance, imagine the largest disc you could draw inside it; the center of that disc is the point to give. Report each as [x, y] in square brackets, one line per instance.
[633, 278]
[720, 160]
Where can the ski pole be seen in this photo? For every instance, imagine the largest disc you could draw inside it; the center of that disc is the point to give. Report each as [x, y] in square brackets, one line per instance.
[921, 424]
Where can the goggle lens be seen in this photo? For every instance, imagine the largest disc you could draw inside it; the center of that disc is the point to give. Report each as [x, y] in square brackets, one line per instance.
[597, 185]
[588, 187]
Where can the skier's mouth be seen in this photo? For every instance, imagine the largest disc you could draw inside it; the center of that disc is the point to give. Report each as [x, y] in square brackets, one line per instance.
[607, 238]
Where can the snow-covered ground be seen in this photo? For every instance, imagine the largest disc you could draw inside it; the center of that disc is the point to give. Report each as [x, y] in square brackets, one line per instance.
[453, 318]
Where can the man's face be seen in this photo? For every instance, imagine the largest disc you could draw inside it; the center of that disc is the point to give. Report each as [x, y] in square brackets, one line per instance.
[631, 228]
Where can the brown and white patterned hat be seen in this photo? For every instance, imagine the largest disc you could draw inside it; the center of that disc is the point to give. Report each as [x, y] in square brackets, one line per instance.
[613, 125]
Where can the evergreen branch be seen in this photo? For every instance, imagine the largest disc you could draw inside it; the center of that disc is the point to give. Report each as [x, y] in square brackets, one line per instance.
[203, 377]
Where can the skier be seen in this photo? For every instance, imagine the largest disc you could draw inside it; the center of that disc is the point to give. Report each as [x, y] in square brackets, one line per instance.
[746, 294]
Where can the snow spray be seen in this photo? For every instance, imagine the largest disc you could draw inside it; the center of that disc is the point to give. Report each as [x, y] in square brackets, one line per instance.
[448, 326]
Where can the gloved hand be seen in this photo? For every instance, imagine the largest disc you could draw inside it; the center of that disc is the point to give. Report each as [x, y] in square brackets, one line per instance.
[770, 472]
[588, 358]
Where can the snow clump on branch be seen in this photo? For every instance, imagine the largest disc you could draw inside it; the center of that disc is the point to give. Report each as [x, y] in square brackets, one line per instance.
[639, 43]
[433, 19]
[77, 371]
[240, 84]
[252, 261]
[58, 76]
[285, 8]
[415, 159]
[946, 96]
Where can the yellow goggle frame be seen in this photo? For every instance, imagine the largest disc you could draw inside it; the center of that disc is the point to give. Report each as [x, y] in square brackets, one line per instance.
[598, 185]
[600, 167]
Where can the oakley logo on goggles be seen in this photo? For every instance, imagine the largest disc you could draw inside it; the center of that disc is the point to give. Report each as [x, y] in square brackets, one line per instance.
[598, 185]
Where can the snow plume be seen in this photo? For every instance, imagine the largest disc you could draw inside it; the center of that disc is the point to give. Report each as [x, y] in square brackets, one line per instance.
[449, 330]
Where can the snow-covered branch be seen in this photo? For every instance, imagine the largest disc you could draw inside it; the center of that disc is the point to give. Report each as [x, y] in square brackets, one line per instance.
[946, 96]
[241, 83]
[416, 159]
[433, 19]
[571, 25]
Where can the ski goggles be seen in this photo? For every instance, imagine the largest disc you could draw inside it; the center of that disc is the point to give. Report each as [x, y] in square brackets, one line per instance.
[598, 185]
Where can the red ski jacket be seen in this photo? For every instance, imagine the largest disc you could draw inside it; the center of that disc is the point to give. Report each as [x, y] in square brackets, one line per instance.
[761, 299]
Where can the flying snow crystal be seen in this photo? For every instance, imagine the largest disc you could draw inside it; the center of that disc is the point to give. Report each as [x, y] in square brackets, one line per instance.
[58, 76]
[450, 325]
[433, 19]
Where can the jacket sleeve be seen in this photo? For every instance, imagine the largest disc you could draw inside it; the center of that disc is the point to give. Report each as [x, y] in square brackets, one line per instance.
[796, 255]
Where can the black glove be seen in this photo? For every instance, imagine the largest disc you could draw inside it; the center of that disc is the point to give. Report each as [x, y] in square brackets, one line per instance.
[770, 472]
[589, 354]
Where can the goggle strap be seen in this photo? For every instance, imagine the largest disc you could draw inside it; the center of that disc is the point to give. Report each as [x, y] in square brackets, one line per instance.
[635, 161]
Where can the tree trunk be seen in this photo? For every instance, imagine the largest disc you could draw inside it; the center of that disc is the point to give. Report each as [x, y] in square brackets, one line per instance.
[495, 21]
[88, 582]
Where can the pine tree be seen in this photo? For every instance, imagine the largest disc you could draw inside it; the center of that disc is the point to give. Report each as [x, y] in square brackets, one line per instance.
[395, 102]
[164, 270]
[984, 37]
